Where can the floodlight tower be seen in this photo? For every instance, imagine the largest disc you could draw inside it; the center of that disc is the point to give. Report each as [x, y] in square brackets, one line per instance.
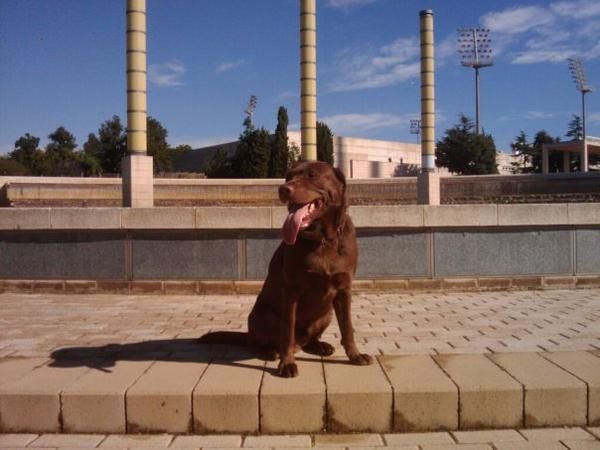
[578, 75]
[474, 47]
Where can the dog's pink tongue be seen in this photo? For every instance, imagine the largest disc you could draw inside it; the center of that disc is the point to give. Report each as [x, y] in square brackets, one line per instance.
[291, 226]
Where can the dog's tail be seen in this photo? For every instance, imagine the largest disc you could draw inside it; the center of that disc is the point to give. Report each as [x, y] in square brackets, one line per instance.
[225, 338]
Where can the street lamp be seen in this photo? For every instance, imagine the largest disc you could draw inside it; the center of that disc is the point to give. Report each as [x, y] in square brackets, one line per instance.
[474, 47]
[578, 75]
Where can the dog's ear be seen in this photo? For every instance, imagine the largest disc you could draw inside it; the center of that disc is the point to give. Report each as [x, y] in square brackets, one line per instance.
[341, 177]
[341, 214]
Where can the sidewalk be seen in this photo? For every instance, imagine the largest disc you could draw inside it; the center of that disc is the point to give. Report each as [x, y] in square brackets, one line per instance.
[385, 323]
[117, 364]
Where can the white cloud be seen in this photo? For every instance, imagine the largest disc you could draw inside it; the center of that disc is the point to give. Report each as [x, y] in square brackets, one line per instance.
[536, 115]
[352, 123]
[539, 56]
[390, 64]
[167, 74]
[582, 9]
[517, 20]
[345, 4]
[538, 34]
[229, 65]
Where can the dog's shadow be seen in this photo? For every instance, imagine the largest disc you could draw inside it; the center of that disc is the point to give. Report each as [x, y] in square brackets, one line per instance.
[104, 357]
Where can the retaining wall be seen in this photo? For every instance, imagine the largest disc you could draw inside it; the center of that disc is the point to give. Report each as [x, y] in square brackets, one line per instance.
[48, 191]
[424, 245]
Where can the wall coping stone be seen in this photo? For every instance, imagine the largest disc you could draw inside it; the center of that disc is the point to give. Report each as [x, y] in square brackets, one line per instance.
[271, 217]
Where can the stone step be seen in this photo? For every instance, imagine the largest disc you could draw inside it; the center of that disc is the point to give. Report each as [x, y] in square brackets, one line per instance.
[210, 390]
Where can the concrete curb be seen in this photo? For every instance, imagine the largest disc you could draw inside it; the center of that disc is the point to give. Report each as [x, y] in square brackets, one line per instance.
[252, 287]
[223, 390]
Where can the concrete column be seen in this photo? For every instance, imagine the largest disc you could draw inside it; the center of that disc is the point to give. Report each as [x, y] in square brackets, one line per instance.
[584, 155]
[308, 79]
[137, 174]
[428, 181]
[566, 162]
[545, 161]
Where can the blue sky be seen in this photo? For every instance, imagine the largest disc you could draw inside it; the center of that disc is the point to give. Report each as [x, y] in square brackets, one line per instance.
[62, 62]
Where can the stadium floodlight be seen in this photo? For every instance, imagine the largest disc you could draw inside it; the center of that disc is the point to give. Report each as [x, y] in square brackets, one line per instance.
[578, 75]
[475, 49]
[415, 127]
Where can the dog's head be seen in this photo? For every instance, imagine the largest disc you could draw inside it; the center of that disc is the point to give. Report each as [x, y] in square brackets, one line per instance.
[315, 194]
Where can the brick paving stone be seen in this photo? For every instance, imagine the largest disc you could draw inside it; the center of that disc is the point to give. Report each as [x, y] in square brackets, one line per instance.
[457, 447]
[96, 401]
[161, 399]
[556, 434]
[359, 398]
[225, 400]
[137, 440]
[425, 399]
[586, 367]
[553, 396]
[301, 440]
[16, 440]
[533, 445]
[582, 445]
[68, 440]
[32, 403]
[280, 399]
[488, 396]
[348, 440]
[487, 436]
[418, 438]
[595, 431]
[214, 440]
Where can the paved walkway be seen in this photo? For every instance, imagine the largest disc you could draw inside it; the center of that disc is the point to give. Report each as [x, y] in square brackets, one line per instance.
[385, 323]
[539, 439]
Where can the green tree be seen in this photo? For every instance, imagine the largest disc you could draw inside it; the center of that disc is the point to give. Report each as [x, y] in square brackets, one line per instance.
[324, 143]
[25, 151]
[279, 151]
[60, 153]
[575, 128]
[10, 166]
[465, 152]
[251, 159]
[158, 147]
[522, 152]
[219, 165]
[109, 147]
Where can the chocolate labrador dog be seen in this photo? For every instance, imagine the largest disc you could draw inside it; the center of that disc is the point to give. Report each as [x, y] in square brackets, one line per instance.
[310, 274]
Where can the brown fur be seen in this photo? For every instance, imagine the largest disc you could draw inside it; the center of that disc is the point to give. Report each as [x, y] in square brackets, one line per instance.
[312, 278]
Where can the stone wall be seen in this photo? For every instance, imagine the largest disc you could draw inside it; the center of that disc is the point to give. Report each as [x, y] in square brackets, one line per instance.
[31, 192]
[229, 243]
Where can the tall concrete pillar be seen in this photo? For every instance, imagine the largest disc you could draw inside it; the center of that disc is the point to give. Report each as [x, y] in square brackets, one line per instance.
[428, 180]
[138, 182]
[308, 79]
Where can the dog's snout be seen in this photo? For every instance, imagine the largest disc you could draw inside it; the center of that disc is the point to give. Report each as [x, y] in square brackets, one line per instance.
[285, 191]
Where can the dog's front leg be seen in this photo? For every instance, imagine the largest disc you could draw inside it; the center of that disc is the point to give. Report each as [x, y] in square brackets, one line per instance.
[287, 344]
[341, 304]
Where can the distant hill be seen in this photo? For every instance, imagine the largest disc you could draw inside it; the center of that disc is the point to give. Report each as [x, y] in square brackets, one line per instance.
[198, 160]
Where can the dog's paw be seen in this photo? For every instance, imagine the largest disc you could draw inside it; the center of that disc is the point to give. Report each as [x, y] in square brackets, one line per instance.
[361, 359]
[288, 370]
[319, 348]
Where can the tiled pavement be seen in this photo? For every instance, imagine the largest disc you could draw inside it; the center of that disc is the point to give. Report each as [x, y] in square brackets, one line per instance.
[539, 439]
[131, 363]
[385, 323]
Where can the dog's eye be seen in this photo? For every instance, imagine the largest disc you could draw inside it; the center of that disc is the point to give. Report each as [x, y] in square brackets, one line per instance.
[312, 175]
